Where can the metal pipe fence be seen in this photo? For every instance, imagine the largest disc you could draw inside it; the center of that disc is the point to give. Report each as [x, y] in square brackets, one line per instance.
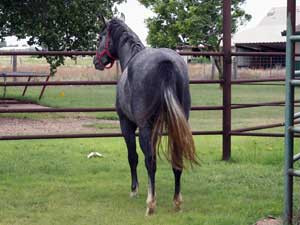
[227, 107]
[87, 83]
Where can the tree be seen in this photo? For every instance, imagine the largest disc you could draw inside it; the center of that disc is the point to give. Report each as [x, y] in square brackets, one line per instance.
[56, 25]
[193, 22]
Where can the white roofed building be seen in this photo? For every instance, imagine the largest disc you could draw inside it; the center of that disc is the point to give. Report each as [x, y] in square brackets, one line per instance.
[265, 37]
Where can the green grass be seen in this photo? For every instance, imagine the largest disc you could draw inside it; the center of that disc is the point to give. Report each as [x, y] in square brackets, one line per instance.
[52, 182]
[102, 126]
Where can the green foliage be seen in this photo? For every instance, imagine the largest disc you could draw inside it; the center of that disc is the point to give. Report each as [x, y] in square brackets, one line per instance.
[54, 24]
[200, 59]
[193, 21]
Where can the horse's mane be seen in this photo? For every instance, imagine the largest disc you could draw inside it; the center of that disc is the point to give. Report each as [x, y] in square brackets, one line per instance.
[121, 33]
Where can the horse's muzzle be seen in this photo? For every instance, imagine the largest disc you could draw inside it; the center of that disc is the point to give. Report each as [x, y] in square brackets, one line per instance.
[98, 66]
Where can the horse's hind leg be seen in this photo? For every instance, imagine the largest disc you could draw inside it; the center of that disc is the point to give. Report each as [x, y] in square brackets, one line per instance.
[150, 162]
[128, 130]
[177, 194]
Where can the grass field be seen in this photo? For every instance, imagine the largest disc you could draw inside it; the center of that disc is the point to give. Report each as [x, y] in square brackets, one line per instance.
[52, 182]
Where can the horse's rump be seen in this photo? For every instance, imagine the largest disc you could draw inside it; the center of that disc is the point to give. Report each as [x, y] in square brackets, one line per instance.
[171, 116]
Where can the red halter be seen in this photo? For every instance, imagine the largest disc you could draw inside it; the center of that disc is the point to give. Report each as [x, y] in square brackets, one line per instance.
[105, 51]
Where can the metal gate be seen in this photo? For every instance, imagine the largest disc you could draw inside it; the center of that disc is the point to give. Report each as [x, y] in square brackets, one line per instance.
[292, 81]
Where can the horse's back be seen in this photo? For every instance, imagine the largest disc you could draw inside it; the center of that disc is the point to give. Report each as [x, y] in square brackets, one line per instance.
[146, 62]
[141, 84]
[148, 68]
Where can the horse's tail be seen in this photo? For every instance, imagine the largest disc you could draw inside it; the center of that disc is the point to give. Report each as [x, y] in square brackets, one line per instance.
[171, 118]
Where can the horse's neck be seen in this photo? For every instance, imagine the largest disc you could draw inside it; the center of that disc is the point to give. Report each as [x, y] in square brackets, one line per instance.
[126, 50]
[124, 55]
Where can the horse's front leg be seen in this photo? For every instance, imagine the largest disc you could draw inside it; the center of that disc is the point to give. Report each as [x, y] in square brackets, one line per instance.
[150, 162]
[177, 194]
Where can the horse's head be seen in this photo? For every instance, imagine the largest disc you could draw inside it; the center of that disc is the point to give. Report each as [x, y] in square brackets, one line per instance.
[104, 58]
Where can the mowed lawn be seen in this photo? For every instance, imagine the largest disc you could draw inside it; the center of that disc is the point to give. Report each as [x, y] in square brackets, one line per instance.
[53, 182]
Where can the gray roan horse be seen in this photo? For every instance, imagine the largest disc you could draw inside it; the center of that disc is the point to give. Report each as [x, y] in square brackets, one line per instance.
[152, 95]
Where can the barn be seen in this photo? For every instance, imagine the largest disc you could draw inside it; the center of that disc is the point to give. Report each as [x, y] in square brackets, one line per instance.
[267, 36]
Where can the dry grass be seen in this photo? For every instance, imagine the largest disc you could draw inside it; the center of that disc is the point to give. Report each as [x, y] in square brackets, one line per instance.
[84, 70]
[246, 73]
[201, 71]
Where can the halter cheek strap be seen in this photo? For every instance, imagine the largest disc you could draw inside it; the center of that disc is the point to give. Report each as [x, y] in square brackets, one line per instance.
[105, 51]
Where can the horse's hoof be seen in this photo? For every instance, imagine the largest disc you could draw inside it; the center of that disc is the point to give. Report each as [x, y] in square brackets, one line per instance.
[177, 203]
[133, 194]
[151, 205]
[177, 207]
[149, 211]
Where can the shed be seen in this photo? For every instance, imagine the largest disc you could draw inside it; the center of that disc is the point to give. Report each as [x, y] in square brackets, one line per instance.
[265, 37]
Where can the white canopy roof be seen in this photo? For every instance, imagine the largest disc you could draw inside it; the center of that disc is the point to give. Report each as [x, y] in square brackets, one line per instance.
[268, 30]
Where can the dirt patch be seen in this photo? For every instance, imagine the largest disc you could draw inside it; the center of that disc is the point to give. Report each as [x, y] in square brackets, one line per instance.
[17, 126]
[44, 126]
[269, 221]
[9, 105]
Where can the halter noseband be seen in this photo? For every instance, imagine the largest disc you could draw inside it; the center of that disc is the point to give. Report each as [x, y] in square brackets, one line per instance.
[105, 51]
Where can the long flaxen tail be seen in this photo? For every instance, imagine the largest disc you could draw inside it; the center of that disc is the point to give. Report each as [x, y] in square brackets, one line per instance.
[170, 118]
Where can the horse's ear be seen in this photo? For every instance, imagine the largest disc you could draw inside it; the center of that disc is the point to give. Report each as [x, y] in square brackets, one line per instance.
[122, 17]
[102, 21]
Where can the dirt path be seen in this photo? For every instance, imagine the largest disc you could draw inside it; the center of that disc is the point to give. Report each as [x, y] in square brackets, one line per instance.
[27, 126]
[15, 126]
[269, 221]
